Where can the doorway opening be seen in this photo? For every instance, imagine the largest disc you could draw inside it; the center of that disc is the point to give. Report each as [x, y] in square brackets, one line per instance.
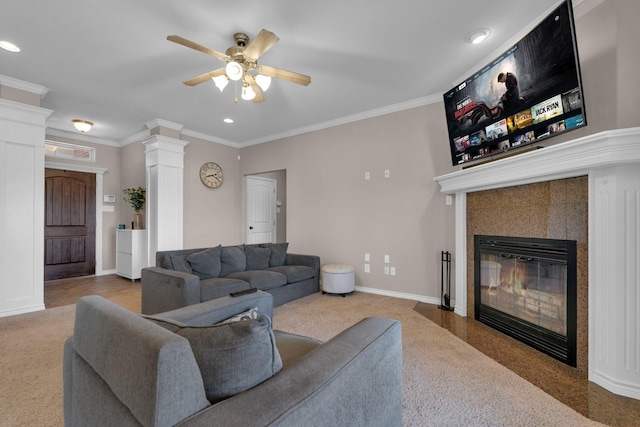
[266, 207]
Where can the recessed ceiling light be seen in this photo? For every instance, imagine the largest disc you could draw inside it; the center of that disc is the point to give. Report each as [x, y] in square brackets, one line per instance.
[478, 36]
[9, 46]
[228, 120]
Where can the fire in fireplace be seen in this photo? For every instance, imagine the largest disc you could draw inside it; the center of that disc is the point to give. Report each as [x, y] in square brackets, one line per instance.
[526, 288]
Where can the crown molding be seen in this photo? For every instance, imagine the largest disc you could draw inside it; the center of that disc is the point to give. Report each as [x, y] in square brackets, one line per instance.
[163, 123]
[394, 108]
[22, 85]
[140, 136]
[49, 131]
[206, 137]
[136, 137]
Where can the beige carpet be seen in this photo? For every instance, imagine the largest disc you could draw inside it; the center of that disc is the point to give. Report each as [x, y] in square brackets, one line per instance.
[446, 381]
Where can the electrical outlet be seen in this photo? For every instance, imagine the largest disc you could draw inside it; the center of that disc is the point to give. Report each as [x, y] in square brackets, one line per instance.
[367, 176]
[386, 259]
[448, 200]
[392, 271]
[386, 270]
[367, 257]
[387, 173]
[367, 268]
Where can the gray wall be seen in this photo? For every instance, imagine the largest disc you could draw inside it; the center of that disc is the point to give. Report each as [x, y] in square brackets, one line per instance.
[332, 211]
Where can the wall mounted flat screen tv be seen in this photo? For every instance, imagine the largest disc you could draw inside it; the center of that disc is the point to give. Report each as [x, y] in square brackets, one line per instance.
[531, 92]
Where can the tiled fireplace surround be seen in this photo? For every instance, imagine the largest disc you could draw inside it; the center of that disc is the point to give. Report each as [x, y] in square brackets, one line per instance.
[586, 190]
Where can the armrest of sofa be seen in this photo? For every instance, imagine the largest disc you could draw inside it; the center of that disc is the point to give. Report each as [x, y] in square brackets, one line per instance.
[164, 290]
[354, 379]
[216, 310]
[312, 261]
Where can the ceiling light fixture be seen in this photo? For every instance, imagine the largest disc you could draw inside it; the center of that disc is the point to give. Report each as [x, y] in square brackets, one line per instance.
[263, 81]
[220, 81]
[9, 46]
[234, 71]
[247, 93]
[478, 36]
[82, 125]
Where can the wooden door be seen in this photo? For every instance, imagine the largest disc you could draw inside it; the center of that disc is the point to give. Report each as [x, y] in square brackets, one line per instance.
[70, 224]
[261, 210]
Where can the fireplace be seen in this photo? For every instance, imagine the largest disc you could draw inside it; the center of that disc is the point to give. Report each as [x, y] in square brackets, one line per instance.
[608, 337]
[526, 288]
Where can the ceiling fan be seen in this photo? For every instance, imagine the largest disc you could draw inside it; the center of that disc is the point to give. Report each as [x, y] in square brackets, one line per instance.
[242, 65]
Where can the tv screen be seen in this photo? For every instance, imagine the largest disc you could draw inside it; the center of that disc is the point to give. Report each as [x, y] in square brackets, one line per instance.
[531, 92]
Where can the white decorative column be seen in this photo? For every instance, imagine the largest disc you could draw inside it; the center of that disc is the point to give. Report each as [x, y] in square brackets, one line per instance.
[614, 271]
[611, 160]
[165, 189]
[22, 135]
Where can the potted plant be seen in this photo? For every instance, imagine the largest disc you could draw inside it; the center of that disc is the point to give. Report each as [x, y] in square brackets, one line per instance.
[136, 198]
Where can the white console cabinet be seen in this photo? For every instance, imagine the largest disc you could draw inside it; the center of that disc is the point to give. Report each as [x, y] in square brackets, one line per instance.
[131, 253]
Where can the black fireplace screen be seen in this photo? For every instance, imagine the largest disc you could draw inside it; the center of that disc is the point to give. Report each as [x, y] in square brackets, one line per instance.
[526, 288]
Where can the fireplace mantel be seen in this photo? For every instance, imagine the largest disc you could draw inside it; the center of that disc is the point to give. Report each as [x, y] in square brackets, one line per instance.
[611, 160]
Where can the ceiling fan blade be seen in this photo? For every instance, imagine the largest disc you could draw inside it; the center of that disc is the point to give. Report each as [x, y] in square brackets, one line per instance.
[260, 44]
[252, 82]
[199, 48]
[204, 77]
[279, 73]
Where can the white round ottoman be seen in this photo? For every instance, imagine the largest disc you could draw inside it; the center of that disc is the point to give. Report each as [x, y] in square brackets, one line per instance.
[337, 279]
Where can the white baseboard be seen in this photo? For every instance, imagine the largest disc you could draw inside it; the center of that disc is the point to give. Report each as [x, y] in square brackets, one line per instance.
[106, 272]
[622, 388]
[415, 297]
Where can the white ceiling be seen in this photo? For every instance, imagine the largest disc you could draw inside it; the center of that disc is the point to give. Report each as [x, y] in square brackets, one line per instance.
[109, 61]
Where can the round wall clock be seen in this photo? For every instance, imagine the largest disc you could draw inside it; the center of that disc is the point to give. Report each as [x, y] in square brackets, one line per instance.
[211, 175]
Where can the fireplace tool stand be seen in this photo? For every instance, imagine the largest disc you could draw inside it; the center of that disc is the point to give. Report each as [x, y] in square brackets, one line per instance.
[445, 277]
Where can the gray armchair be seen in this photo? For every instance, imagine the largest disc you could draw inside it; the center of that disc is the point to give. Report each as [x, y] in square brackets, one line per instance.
[123, 369]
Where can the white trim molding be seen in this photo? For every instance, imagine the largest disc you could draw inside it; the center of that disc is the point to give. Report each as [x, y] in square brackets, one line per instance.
[611, 160]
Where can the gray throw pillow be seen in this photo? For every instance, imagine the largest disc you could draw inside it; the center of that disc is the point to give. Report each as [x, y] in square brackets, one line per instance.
[233, 260]
[206, 264]
[278, 254]
[180, 263]
[232, 357]
[257, 257]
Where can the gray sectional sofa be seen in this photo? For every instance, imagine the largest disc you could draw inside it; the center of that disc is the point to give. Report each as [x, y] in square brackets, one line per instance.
[122, 369]
[190, 276]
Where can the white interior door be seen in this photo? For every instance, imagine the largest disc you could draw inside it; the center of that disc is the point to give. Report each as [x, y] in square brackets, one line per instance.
[261, 210]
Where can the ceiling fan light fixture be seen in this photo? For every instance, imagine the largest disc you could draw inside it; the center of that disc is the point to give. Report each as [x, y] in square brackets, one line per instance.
[263, 81]
[82, 125]
[234, 71]
[220, 81]
[247, 93]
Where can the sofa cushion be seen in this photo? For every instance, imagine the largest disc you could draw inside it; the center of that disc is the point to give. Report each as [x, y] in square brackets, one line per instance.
[219, 287]
[233, 259]
[232, 357]
[294, 273]
[206, 264]
[278, 253]
[257, 257]
[261, 279]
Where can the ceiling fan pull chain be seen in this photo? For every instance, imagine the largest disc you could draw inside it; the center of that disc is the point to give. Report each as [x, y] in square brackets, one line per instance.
[235, 91]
